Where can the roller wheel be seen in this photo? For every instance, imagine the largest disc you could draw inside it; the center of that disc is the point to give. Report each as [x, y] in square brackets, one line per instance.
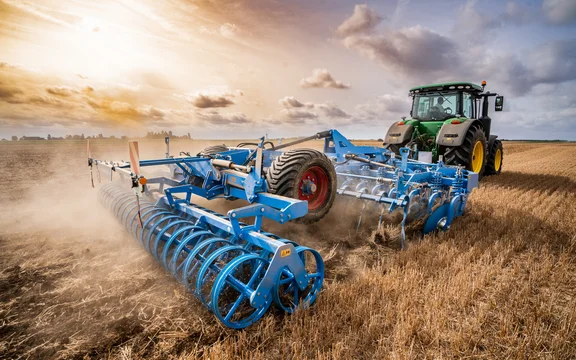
[495, 158]
[214, 149]
[287, 294]
[230, 295]
[304, 174]
[472, 153]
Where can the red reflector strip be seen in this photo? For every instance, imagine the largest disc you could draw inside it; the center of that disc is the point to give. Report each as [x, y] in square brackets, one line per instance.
[456, 122]
[401, 123]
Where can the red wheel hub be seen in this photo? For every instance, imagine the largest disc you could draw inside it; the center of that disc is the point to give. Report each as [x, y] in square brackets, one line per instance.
[313, 187]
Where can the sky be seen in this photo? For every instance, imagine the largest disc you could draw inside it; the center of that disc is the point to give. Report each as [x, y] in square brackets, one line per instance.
[245, 68]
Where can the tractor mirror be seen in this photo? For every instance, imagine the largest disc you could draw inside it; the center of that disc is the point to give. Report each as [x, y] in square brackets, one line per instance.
[499, 103]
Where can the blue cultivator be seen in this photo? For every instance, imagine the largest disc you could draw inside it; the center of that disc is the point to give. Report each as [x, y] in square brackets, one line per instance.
[433, 192]
[236, 269]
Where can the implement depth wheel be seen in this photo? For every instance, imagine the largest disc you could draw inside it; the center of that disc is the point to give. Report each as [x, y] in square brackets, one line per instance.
[213, 149]
[304, 174]
[472, 153]
[495, 158]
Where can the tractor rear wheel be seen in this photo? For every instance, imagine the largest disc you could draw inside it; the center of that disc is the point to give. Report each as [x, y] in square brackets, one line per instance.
[472, 153]
[395, 148]
[495, 158]
[304, 174]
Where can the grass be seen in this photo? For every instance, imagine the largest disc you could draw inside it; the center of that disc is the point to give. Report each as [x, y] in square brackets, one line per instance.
[500, 284]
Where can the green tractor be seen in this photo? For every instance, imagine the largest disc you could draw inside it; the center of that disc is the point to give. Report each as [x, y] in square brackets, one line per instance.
[450, 122]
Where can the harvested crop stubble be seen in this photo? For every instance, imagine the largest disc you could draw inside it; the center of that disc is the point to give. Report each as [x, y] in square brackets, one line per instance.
[501, 283]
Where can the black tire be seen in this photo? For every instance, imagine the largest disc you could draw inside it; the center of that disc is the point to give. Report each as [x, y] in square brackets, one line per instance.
[286, 173]
[492, 167]
[214, 149]
[462, 155]
[395, 148]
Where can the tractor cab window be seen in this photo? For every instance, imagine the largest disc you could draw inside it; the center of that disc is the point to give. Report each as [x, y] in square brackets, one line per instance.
[467, 109]
[435, 106]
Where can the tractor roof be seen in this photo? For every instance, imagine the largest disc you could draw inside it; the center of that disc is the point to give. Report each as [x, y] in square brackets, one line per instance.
[466, 86]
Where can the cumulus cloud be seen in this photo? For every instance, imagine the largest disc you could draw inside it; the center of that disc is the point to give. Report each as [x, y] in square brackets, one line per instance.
[213, 117]
[36, 101]
[125, 109]
[560, 11]
[395, 103]
[385, 107]
[8, 92]
[298, 114]
[554, 62]
[121, 108]
[229, 30]
[362, 20]
[423, 55]
[291, 102]
[5, 65]
[471, 20]
[295, 109]
[473, 25]
[205, 100]
[320, 115]
[44, 100]
[27, 96]
[152, 112]
[61, 90]
[517, 14]
[321, 78]
[412, 49]
[333, 111]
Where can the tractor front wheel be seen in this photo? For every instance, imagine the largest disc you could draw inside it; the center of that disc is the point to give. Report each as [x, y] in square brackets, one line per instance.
[495, 158]
[472, 153]
[304, 174]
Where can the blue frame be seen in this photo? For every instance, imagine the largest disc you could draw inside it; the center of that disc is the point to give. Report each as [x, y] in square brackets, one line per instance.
[435, 192]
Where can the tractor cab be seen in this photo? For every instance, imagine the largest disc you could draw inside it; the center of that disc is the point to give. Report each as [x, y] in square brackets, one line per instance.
[443, 102]
[441, 117]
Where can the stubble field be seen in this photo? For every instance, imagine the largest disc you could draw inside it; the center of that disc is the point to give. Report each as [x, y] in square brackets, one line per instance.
[500, 284]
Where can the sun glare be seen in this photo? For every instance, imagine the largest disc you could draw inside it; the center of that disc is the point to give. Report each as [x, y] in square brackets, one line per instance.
[90, 24]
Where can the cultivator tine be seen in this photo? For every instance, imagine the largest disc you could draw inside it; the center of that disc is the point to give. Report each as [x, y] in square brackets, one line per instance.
[360, 219]
[138, 182]
[90, 162]
[91, 177]
[167, 142]
[139, 211]
[403, 231]
[98, 173]
[381, 217]
[346, 203]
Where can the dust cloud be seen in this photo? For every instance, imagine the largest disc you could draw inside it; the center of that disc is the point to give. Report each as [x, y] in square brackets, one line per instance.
[75, 282]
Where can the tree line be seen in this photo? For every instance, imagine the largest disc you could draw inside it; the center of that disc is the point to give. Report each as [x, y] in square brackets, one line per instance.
[150, 135]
